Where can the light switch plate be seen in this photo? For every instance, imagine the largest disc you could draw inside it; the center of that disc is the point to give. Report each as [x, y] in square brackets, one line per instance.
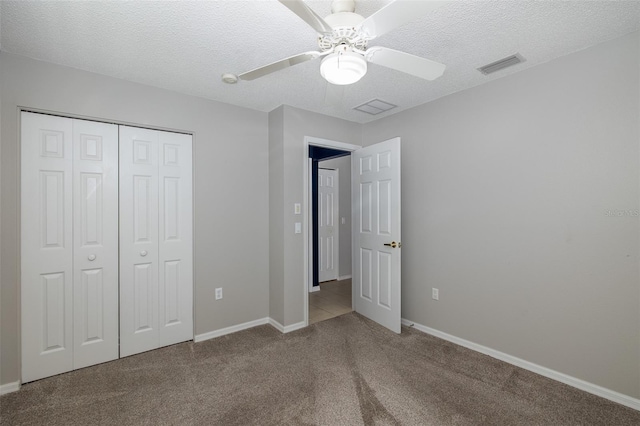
[298, 228]
[297, 209]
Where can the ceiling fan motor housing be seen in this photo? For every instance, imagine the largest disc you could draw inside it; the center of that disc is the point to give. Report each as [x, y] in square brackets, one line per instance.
[345, 31]
[338, 6]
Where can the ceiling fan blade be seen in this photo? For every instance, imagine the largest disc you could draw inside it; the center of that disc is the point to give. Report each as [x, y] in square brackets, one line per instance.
[405, 62]
[279, 65]
[396, 14]
[308, 15]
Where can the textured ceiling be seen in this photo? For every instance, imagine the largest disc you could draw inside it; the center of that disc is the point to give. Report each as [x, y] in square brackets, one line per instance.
[186, 46]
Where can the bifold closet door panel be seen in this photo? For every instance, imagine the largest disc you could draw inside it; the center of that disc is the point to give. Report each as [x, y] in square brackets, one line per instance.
[69, 255]
[95, 234]
[46, 245]
[176, 239]
[138, 240]
[156, 261]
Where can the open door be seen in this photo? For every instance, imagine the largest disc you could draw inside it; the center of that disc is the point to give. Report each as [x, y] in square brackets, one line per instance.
[375, 189]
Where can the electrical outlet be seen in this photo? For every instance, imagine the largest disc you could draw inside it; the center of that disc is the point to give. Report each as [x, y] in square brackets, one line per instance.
[218, 293]
[435, 294]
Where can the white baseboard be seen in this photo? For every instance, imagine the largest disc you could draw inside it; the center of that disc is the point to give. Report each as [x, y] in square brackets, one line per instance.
[294, 327]
[235, 328]
[543, 371]
[286, 329]
[314, 289]
[344, 277]
[9, 387]
[229, 330]
[275, 324]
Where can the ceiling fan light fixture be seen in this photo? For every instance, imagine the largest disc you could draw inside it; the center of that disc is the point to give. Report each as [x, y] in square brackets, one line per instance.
[343, 68]
[229, 78]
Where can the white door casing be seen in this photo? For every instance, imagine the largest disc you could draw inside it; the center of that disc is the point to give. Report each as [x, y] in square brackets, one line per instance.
[46, 246]
[156, 265]
[327, 225]
[375, 192]
[95, 250]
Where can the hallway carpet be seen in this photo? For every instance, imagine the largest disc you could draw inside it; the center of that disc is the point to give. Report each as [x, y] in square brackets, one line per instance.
[343, 371]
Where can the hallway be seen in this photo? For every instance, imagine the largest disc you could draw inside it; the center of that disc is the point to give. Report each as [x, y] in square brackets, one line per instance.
[333, 299]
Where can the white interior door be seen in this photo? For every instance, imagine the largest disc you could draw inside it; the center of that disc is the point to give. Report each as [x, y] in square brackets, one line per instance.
[375, 172]
[327, 224]
[95, 248]
[138, 240]
[175, 239]
[46, 245]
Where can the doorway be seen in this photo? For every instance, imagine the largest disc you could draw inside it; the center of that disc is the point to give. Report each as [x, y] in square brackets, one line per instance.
[331, 296]
[376, 233]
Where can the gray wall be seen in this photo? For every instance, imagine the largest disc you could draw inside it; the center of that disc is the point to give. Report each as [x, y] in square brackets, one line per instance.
[276, 214]
[296, 124]
[231, 161]
[505, 192]
[343, 165]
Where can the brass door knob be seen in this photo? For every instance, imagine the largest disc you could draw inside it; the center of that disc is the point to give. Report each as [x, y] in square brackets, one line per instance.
[393, 244]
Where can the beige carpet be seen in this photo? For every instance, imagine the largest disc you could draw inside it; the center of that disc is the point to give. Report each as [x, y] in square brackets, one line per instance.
[343, 371]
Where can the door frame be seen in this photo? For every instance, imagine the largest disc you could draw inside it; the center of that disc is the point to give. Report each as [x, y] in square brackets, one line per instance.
[306, 218]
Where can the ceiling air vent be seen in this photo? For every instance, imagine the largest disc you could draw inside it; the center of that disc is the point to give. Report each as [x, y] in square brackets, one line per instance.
[501, 64]
[375, 107]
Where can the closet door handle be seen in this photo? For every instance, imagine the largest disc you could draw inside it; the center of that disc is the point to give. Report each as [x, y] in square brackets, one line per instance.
[91, 257]
[143, 253]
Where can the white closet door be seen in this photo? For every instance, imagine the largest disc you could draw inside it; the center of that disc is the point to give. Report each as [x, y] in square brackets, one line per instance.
[95, 228]
[156, 265]
[138, 240]
[175, 239]
[47, 247]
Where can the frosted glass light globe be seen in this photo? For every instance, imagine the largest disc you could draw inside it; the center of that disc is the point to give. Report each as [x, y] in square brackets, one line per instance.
[343, 68]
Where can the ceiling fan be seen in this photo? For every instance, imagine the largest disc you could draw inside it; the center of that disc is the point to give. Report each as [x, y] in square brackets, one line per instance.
[343, 39]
